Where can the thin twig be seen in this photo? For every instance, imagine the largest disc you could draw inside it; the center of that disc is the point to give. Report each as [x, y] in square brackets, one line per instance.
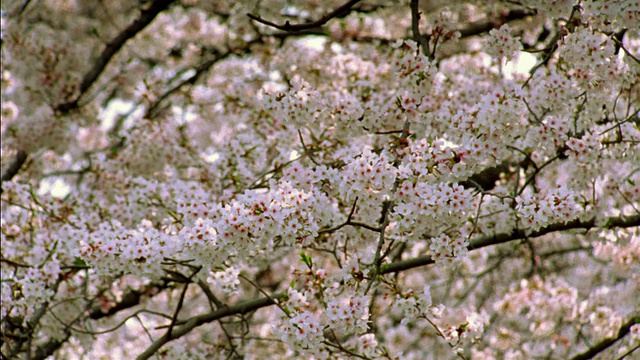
[377, 261]
[180, 302]
[307, 151]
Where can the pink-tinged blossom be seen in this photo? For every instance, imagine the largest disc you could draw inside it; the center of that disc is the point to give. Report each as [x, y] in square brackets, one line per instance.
[502, 44]
[558, 205]
[183, 181]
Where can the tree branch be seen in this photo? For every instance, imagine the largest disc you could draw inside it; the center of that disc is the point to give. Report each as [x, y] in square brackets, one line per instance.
[146, 17]
[517, 234]
[422, 41]
[484, 26]
[129, 299]
[241, 308]
[199, 71]
[14, 167]
[47, 349]
[604, 344]
[338, 12]
[485, 180]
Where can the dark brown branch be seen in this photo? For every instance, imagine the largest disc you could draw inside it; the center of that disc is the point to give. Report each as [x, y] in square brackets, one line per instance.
[14, 263]
[517, 234]
[415, 27]
[181, 302]
[14, 168]
[471, 30]
[338, 12]
[185, 328]
[353, 223]
[486, 179]
[604, 344]
[146, 17]
[377, 260]
[484, 26]
[50, 347]
[129, 299]
[30, 329]
[210, 295]
[620, 45]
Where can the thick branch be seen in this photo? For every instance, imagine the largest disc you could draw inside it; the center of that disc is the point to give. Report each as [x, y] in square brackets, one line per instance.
[15, 166]
[241, 308]
[517, 234]
[415, 27]
[604, 344]
[339, 12]
[49, 348]
[129, 299]
[146, 17]
[485, 180]
[484, 26]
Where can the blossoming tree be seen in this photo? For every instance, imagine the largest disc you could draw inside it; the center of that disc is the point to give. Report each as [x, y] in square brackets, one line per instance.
[320, 179]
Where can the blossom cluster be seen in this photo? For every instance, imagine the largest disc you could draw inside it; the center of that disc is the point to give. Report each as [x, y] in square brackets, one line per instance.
[412, 305]
[591, 62]
[415, 73]
[557, 205]
[448, 251]
[608, 14]
[340, 314]
[225, 281]
[110, 250]
[502, 44]
[299, 104]
[429, 208]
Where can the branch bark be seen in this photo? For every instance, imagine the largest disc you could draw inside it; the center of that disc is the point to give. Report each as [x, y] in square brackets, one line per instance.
[241, 308]
[21, 159]
[415, 27]
[604, 344]
[518, 234]
[130, 299]
[146, 17]
[338, 12]
[484, 26]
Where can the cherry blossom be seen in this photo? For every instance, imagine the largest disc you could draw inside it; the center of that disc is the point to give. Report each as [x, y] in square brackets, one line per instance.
[343, 179]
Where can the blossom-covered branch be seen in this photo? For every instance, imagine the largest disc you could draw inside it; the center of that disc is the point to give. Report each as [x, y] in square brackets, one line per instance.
[517, 234]
[185, 326]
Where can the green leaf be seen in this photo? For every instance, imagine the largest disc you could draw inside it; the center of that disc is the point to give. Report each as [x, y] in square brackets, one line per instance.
[306, 259]
[79, 262]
